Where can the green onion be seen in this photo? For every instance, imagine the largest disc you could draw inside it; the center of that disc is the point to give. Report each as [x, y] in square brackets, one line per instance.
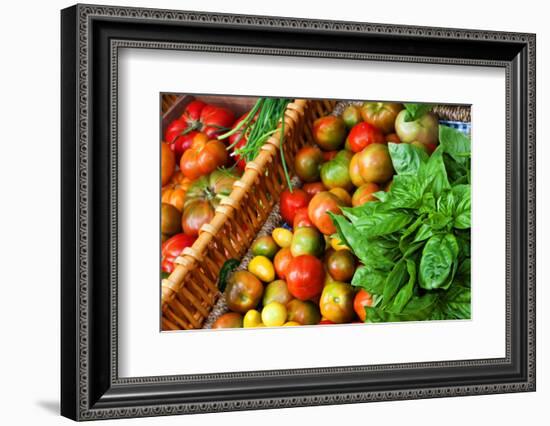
[258, 128]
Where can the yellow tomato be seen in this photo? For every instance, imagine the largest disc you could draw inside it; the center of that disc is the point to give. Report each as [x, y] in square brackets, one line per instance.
[262, 268]
[336, 244]
[252, 319]
[343, 195]
[274, 314]
[291, 324]
[282, 236]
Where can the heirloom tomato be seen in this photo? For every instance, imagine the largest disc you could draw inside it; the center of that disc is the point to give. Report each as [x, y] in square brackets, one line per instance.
[172, 248]
[375, 163]
[206, 118]
[167, 163]
[281, 261]
[307, 163]
[203, 158]
[274, 314]
[362, 299]
[291, 202]
[354, 174]
[313, 188]
[170, 219]
[243, 291]
[362, 135]
[301, 219]
[424, 129]
[343, 195]
[341, 265]
[381, 115]
[336, 302]
[303, 312]
[265, 246]
[335, 173]
[329, 132]
[307, 240]
[351, 116]
[318, 209]
[364, 194]
[229, 320]
[276, 291]
[202, 198]
[305, 277]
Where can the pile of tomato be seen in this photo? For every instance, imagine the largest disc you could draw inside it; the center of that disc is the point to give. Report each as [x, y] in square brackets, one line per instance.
[192, 183]
[301, 274]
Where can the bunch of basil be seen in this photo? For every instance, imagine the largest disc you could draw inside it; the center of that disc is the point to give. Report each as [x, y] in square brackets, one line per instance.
[414, 242]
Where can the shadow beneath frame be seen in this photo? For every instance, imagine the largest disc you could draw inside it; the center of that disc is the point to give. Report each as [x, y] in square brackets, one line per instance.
[50, 406]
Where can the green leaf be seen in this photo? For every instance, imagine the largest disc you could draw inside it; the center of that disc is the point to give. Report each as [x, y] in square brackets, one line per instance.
[382, 223]
[396, 278]
[227, 268]
[417, 309]
[434, 174]
[406, 292]
[438, 256]
[462, 211]
[415, 111]
[455, 303]
[455, 143]
[376, 253]
[406, 158]
[369, 279]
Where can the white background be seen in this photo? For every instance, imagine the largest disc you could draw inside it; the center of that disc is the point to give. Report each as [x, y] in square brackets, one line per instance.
[141, 345]
[29, 225]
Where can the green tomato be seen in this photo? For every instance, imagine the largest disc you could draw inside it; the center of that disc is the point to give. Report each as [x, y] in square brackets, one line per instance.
[335, 173]
[265, 246]
[307, 240]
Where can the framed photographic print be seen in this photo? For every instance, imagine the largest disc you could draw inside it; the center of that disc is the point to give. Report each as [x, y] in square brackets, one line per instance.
[263, 212]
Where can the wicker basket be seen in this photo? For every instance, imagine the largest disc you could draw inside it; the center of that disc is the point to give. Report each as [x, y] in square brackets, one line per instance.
[191, 290]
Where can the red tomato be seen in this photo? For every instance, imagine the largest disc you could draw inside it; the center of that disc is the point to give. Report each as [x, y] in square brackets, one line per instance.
[301, 219]
[305, 277]
[362, 298]
[203, 158]
[196, 214]
[326, 322]
[329, 155]
[291, 202]
[177, 138]
[313, 188]
[393, 138]
[318, 209]
[281, 261]
[239, 140]
[199, 116]
[172, 248]
[362, 135]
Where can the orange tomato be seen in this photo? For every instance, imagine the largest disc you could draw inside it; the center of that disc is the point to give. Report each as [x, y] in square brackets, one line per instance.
[362, 298]
[203, 158]
[167, 163]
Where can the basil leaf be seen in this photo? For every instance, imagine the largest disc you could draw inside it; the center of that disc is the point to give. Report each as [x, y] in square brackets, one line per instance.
[434, 173]
[463, 208]
[438, 256]
[417, 309]
[455, 143]
[406, 158]
[396, 278]
[406, 292]
[415, 111]
[375, 253]
[369, 279]
[456, 302]
[382, 223]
